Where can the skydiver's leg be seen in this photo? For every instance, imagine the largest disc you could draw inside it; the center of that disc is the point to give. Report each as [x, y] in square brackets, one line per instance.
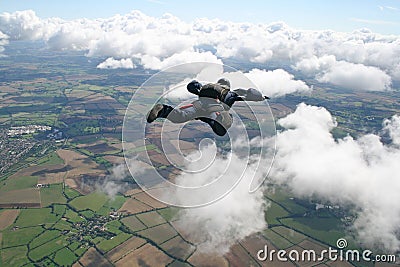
[183, 114]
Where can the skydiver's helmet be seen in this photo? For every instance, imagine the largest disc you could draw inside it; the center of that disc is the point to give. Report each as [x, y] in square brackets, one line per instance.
[224, 82]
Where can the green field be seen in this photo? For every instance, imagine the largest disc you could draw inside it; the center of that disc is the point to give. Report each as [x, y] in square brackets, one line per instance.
[112, 204]
[169, 213]
[44, 238]
[107, 245]
[324, 231]
[33, 217]
[52, 194]
[15, 256]
[289, 234]
[62, 225]
[59, 209]
[47, 248]
[17, 183]
[93, 201]
[72, 216]
[22, 236]
[114, 227]
[287, 202]
[273, 213]
[71, 193]
[65, 257]
[51, 159]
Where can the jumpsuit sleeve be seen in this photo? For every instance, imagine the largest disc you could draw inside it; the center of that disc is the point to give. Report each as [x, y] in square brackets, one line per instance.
[250, 94]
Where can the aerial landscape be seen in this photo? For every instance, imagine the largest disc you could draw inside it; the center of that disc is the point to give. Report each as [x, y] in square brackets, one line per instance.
[78, 161]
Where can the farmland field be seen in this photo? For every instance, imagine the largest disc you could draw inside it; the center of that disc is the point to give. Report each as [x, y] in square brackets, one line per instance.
[7, 217]
[64, 257]
[33, 217]
[88, 215]
[22, 236]
[52, 194]
[93, 201]
[160, 233]
[123, 249]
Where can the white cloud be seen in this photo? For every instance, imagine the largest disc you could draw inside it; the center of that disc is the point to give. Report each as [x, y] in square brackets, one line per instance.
[113, 183]
[345, 74]
[158, 42]
[362, 172]
[313, 65]
[152, 62]
[357, 76]
[217, 226]
[392, 126]
[276, 83]
[25, 25]
[391, 8]
[3, 41]
[111, 63]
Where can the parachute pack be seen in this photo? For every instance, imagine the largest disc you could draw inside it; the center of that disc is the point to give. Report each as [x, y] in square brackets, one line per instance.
[213, 90]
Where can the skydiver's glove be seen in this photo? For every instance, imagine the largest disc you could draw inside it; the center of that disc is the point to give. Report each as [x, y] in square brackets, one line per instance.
[194, 87]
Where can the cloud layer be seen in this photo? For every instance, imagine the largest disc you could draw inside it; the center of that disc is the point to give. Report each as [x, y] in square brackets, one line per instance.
[362, 172]
[373, 60]
[111, 63]
[217, 226]
[327, 69]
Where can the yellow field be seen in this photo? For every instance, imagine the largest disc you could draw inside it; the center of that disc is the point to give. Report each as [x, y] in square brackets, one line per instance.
[146, 255]
[120, 251]
[148, 200]
[28, 195]
[7, 217]
[199, 259]
[133, 206]
[78, 164]
[93, 258]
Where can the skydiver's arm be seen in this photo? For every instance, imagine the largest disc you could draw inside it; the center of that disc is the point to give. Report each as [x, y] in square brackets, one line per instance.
[240, 92]
[250, 94]
[194, 87]
[232, 97]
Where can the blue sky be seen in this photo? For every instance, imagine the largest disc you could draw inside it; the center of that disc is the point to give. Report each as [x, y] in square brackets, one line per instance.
[381, 16]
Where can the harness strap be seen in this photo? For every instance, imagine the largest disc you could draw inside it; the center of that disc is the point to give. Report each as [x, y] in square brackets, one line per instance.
[186, 106]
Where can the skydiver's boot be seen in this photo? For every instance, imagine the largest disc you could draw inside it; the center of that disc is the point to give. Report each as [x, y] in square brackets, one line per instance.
[158, 111]
[215, 126]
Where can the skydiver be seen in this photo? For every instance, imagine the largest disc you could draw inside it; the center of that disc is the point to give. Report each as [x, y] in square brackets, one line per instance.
[212, 107]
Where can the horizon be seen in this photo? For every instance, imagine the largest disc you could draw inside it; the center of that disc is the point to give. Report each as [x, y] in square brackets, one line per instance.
[380, 16]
